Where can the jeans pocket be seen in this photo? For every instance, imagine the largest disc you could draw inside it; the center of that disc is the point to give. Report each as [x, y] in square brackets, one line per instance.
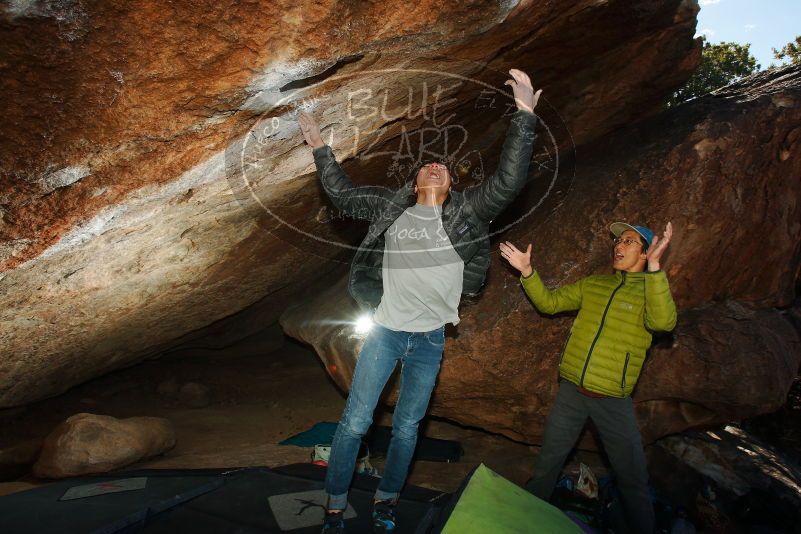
[436, 337]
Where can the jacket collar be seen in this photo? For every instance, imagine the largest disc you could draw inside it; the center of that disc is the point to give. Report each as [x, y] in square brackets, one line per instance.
[630, 277]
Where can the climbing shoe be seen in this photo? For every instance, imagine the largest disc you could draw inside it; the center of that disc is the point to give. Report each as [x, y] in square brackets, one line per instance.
[333, 523]
[384, 517]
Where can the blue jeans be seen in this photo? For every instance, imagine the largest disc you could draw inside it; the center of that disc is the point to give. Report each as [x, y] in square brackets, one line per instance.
[420, 354]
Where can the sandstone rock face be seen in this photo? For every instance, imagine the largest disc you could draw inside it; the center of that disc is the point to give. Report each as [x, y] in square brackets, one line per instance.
[194, 395]
[726, 362]
[718, 169]
[16, 459]
[725, 478]
[132, 195]
[168, 389]
[188, 395]
[87, 443]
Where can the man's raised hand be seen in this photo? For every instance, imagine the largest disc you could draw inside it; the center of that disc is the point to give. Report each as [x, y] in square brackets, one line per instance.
[525, 97]
[310, 130]
[516, 258]
[658, 247]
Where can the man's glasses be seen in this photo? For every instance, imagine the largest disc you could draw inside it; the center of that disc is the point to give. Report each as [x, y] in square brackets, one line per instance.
[626, 241]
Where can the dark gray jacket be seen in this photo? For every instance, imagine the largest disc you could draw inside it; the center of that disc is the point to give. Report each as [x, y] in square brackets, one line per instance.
[465, 215]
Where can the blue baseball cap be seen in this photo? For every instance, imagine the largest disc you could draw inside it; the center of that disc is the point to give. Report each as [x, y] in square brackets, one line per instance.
[618, 228]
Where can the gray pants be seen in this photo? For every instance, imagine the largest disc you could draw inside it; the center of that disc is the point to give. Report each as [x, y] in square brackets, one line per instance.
[620, 435]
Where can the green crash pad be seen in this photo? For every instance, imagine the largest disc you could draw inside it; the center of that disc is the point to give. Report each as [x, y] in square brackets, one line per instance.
[490, 503]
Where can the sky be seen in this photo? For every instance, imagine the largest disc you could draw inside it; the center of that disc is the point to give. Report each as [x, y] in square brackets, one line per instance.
[763, 23]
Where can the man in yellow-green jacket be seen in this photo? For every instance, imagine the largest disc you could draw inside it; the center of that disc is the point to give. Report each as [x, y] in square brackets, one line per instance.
[602, 359]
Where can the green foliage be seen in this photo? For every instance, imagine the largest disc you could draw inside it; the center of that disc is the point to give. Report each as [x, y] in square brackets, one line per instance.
[791, 51]
[721, 64]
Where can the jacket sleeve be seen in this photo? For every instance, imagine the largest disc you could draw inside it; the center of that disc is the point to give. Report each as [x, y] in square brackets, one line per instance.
[363, 202]
[565, 298]
[660, 310]
[492, 195]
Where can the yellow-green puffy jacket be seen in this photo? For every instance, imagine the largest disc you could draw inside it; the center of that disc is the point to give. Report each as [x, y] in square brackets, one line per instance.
[606, 347]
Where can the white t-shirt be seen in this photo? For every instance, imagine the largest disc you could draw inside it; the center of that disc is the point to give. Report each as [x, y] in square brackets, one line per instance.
[422, 273]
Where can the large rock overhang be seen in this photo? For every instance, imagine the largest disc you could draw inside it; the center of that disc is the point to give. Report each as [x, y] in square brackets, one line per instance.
[127, 218]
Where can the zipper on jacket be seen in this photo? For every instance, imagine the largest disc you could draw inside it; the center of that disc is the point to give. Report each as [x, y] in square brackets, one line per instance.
[625, 366]
[601, 327]
[564, 348]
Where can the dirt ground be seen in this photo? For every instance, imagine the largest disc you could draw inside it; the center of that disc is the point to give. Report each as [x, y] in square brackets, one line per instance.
[262, 391]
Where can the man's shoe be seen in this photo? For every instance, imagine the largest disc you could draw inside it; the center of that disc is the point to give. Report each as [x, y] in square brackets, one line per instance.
[333, 523]
[384, 517]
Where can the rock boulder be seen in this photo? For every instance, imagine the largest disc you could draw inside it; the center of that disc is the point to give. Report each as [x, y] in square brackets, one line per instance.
[87, 443]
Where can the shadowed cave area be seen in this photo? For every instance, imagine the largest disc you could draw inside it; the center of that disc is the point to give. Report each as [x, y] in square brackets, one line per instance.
[174, 277]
